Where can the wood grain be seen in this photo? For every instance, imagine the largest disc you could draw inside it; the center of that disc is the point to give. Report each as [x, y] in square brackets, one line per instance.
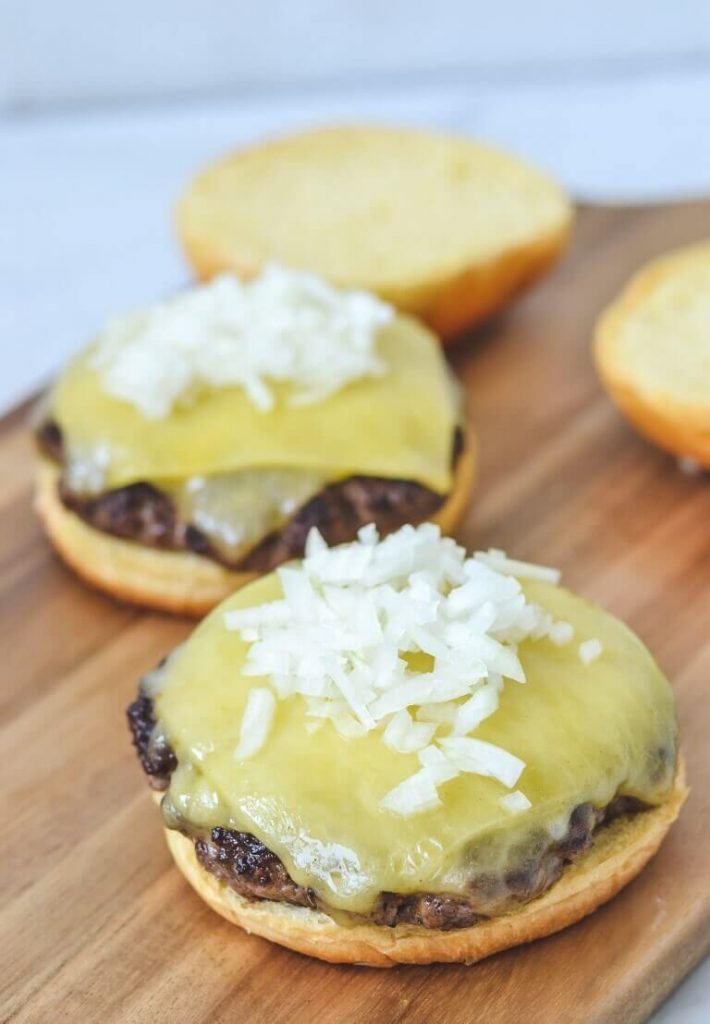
[95, 923]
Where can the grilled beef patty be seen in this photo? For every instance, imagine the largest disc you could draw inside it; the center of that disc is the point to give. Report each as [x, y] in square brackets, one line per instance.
[242, 862]
[143, 513]
[156, 755]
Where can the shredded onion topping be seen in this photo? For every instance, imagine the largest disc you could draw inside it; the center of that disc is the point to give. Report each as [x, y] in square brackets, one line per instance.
[285, 326]
[406, 636]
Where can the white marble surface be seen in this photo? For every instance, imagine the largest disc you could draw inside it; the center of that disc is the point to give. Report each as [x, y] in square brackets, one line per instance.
[85, 200]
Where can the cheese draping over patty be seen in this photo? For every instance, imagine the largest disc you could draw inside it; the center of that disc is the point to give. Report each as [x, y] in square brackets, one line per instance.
[585, 732]
[395, 425]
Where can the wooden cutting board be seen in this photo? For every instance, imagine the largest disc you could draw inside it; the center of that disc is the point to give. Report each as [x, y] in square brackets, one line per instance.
[96, 924]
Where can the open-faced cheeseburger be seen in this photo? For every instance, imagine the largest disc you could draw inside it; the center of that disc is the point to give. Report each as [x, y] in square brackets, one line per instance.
[194, 445]
[391, 753]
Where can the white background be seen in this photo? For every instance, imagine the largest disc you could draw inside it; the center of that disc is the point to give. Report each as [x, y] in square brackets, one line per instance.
[80, 51]
[106, 109]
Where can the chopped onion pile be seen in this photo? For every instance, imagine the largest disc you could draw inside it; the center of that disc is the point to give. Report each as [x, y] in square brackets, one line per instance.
[284, 326]
[406, 636]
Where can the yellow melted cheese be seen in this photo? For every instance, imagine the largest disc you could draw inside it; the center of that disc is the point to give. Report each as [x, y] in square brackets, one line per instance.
[586, 733]
[399, 425]
[235, 510]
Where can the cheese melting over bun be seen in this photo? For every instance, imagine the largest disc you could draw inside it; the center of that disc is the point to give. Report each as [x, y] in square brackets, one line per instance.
[503, 777]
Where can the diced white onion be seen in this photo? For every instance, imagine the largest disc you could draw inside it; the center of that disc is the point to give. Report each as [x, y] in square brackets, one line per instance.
[514, 802]
[348, 726]
[419, 691]
[256, 722]
[404, 635]
[406, 736]
[500, 562]
[590, 650]
[561, 633]
[438, 765]
[443, 714]
[481, 758]
[416, 794]
[285, 326]
[477, 708]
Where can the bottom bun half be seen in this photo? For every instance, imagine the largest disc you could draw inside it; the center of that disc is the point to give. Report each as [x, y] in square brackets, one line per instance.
[621, 849]
[174, 581]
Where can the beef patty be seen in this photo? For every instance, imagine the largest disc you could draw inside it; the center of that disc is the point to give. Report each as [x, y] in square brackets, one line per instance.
[242, 862]
[142, 512]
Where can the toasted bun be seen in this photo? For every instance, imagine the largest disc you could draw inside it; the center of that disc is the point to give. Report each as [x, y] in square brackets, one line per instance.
[444, 228]
[652, 349]
[174, 581]
[620, 851]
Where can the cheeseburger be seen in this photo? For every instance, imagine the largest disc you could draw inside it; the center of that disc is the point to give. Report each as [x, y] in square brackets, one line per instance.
[391, 752]
[195, 444]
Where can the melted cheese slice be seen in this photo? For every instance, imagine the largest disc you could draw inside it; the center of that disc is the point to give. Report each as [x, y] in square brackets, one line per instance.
[586, 733]
[398, 426]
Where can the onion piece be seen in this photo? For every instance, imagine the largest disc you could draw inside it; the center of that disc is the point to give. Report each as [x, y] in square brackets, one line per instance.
[499, 561]
[514, 802]
[481, 758]
[438, 766]
[348, 726]
[416, 794]
[427, 688]
[477, 708]
[256, 722]
[443, 714]
[590, 650]
[406, 736]
[560, 633]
